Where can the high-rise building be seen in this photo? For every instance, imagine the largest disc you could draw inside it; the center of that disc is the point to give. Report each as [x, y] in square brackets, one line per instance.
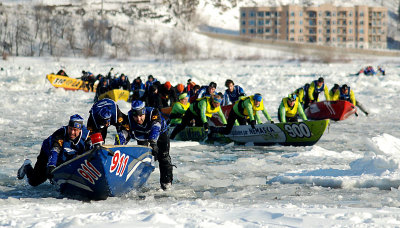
[352, 27]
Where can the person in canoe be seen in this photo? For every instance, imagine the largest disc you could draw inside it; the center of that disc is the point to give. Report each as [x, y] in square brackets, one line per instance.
[233, 93]
[200, 111]
[62, 73]
[204, 91]
[244, 111]
[103, 114]
[63, 145]
[333, 92]
[301, 94]
[179, 109]
[290, 109]
[316, 87]
[149, 128]
[138, 87]
[167, 94]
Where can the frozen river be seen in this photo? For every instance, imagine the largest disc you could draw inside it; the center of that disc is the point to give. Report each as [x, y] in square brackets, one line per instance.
[351, 177]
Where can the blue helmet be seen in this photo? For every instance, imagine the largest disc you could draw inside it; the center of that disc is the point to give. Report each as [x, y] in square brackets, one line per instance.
[104, 116]
[75, 121]
[138, 108]
[257, 97]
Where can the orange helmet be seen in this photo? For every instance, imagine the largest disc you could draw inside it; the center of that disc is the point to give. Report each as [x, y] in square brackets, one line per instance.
[180, 88]
[167, 85]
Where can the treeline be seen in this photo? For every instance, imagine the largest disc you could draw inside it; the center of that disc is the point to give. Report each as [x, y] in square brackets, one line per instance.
[43, 30]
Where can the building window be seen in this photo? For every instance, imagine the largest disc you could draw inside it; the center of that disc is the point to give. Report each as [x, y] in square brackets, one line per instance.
[361, 39]
[292, 22]
[252, 14]
[350, 22]
[291, 30]
[351, 14]
[328, 31]
[267, 22]
[260, 14]
[244, 31]
[301, 13]
[243, 14]
[252, 31]
[260, 31]
[328, 39]
[301, 22]
[292, 14]
[361, 31]
[350, 31]
[361, 22]
[301, 30]
[319, 31]
[276, 31]
[327, 13]
[243, 22]
[260, 22]
[361, 14]
[268, 14]
[267, 30]
[333, 13]
[252, 22]
[291, 39]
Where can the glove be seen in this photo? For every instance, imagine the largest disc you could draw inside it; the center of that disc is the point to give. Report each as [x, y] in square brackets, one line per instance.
[205, 125]
[253, 124]
[154, 150]
[49, 170]
[272, 121]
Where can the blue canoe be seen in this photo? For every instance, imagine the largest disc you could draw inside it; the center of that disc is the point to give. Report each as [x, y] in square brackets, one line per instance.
[107, 171]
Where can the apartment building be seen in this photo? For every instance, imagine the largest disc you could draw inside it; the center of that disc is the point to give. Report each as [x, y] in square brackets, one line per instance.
[352, 27]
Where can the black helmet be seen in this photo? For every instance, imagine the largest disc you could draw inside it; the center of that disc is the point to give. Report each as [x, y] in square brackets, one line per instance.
[320, 79]
[213, 85]
[344, 87]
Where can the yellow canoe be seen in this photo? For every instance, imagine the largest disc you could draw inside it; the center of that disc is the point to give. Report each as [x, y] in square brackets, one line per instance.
[115, 95]
[67, 83]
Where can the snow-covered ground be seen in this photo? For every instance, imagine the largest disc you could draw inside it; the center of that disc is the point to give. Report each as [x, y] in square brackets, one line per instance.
[350, 178]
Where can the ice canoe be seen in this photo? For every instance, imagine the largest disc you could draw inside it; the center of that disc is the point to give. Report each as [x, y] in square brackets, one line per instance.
[288, 134]
[66, 83]
[334, 110]
[107, 171]
[115, 95]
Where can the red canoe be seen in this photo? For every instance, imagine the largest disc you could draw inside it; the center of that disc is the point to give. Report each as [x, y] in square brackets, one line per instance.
[334, 110]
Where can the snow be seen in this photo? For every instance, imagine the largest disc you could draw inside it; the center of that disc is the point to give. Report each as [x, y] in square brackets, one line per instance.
[351, 177]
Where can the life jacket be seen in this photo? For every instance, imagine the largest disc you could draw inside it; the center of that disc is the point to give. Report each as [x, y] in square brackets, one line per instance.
[306, 98]
[290, 111]
[69, 149]
[154, 125]
[185, 107]
[346, 96]
[244, 111]
[316, 89]
[209, 109]
[234, 95]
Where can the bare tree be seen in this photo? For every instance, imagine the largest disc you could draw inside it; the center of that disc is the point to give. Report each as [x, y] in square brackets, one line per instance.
[22, 34]
[95, 33]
